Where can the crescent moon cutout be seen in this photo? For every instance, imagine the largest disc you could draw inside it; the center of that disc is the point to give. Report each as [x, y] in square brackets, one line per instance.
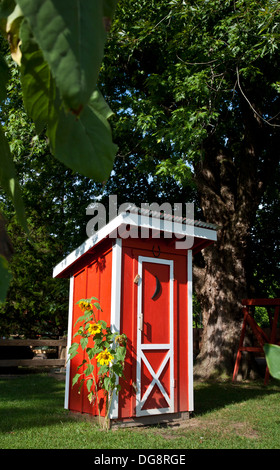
[158, 288]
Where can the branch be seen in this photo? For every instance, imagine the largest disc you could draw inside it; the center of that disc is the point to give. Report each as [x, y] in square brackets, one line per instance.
[250, 104]
[196, 63]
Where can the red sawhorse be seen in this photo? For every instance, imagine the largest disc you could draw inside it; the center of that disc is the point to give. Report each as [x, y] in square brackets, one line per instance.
[260, 335]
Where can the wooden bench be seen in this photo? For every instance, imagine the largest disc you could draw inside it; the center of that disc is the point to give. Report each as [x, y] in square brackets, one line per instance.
[35, 362]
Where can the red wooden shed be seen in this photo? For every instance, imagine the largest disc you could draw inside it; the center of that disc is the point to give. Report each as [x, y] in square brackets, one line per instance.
[144, 286]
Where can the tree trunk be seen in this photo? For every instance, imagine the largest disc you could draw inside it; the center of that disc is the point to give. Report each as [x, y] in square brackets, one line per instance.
[220, 286]
[229, 196]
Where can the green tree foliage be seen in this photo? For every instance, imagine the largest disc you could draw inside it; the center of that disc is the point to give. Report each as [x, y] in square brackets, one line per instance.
[55, 200]
[59, 47]
[266, 234]
[35, 304]
[176, 72]
[195, 88]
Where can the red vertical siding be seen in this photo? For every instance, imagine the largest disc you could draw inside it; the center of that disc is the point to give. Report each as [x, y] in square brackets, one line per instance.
[92, 289]
[99, 285]
[93, 281]
[75, 399]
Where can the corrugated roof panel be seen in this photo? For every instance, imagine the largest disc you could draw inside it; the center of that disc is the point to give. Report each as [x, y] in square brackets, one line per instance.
[182, 220]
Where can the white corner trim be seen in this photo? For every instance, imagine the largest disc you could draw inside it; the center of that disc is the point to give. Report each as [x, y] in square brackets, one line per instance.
[190, 329]
[116, 285]
[69, 340]
[116, 307]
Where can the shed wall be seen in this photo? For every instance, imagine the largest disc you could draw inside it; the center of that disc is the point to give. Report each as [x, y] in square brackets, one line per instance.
[94, 280]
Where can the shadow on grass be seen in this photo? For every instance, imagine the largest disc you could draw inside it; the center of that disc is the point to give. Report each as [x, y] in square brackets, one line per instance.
[36, 400]
[31, 400]
[216, 395]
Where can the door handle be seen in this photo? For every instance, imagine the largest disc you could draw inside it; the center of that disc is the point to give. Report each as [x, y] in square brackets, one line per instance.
[141, 322]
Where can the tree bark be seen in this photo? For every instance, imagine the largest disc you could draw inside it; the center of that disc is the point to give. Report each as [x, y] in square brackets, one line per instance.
[220, 287]
[230, 191]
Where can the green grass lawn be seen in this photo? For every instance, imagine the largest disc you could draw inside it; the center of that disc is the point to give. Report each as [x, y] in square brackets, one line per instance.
[227, 416]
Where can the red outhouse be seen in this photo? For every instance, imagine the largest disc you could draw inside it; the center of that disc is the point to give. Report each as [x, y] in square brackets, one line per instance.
[142, 277]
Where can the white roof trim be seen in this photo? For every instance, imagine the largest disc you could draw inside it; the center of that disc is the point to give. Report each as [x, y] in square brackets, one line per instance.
[137, 220]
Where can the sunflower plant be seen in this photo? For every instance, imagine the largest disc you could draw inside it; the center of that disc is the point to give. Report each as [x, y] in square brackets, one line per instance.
[108, 349]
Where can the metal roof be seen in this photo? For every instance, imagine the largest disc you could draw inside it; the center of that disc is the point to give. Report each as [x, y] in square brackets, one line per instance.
[165, 216]
[134, 216]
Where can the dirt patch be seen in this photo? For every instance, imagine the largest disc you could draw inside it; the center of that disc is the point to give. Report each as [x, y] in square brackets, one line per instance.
[242, 430]
[204, 426]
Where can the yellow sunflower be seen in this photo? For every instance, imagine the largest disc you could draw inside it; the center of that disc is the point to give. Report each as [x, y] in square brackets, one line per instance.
[105, 357]
[121, 340]
[94, 328]
[84, 305]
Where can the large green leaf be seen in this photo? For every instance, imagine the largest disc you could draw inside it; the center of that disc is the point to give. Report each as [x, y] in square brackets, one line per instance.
[5, 278]
[85, 143]
[6, 8]
[8, 179]
[4, 77]
[272, 355]
[12, 32]
[82, 143]
[71, 35]
[109, 7]
[36, 79]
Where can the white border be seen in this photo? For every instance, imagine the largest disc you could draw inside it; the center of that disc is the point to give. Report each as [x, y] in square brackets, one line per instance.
[137, 221]
[69, 341]
[116, 308]
[169, 346]
[190, 335]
